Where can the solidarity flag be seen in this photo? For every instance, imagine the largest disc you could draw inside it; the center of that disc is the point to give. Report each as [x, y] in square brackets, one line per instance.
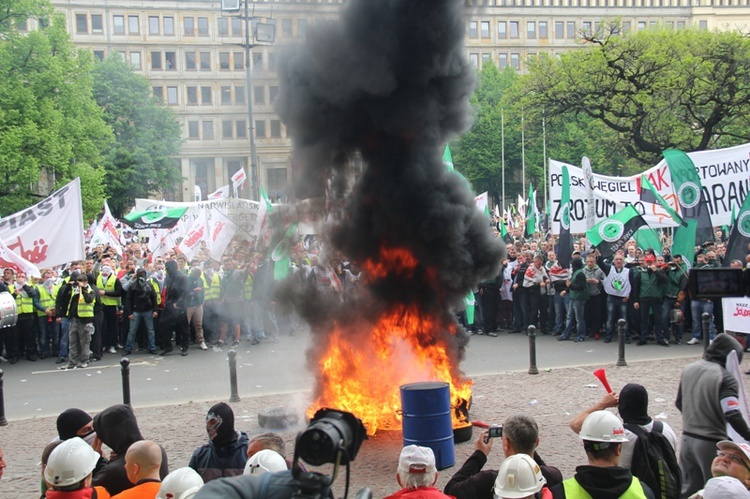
[106, 231]
[197, 234]
[482, 203]
[687, 185]
[163, 218]
[613, 233]
[238, 180]
[565, 243]
[221, 231]
[8, 259]
[220, 193]
[739, 237]
[649, 195]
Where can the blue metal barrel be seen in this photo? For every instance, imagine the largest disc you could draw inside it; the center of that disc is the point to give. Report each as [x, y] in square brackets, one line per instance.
[427, 422]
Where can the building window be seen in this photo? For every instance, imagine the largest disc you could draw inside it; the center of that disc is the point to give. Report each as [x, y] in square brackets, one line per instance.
[135, 60]
[515, 61]
[189, 23]
[276, 129]
[625, 26]
[206, 95]
[170, 61]
[472, 29]
[559, 30]
[189, 60]
[226, 95]
[223, 24]
[680, 24]
[531, 29]
[301, 27]
[259, 95]
[82, 23]
[194, 133]
[260, 129]
[236, 26]
[586, 28]
[205, 176]
[502, 61]
[272, 59]
[169, 26]
[474, 58]
[641, 25]
[159, 93]
[514, 29]
[134, 25]
[203, 26]
[153, 25]
[571, 30]
[485, 25]
[273, 91]
[258, 61]
[543, 30]
[286, 28]
[192, 96]
[227, 129]
[239, 61]
[208, 130]
[155, 60]
[239, 94]
[22, 25]
[276, 179]
[703, 25]
[485, 59]
[205, 61]
[224, 60]
[99, 54]
[502, 29]
[172, 96]
[97, 25]
[241, 129]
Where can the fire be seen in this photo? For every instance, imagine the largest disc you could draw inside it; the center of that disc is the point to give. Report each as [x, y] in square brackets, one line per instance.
[361, 370]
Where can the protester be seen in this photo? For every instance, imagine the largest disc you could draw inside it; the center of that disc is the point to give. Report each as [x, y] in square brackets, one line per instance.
[226, 452]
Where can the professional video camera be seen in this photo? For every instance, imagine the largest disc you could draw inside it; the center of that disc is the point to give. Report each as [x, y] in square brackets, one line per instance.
[332, 437]
[711, 283]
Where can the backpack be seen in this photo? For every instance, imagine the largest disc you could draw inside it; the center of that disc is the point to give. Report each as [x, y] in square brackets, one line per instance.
[654, 461]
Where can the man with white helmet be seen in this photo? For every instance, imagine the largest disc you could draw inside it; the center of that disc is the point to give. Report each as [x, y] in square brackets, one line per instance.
[69, 470]
[603, 435]
[265, 461]
[182, 483]
[520, 478]
[417, 474]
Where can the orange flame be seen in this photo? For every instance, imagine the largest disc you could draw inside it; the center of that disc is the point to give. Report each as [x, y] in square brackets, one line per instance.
[361, 371]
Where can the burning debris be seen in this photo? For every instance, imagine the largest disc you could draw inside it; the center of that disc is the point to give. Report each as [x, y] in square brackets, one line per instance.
[388, 81]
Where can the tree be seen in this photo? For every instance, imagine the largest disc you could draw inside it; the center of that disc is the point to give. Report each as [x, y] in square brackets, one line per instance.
[656, 89]
[49, 123]
[148, 137]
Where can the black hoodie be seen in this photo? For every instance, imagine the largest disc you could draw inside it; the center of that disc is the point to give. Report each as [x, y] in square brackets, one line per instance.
[177, 289]
[602, 482]
[117, 428]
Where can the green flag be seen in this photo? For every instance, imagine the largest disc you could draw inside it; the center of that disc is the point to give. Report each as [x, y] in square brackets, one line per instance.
[565, 243]
[165, 218]
[448, 158]
[650, 195]
[611, 234]
[684, 241]
[531, 212]
[504, 233]
[687, 185]
[646, 237]
[739, 237]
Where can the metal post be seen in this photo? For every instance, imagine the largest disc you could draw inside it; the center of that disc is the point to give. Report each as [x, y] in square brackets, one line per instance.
[249, 95]
[621, 333]
[3, 421]
[706, 325]
[125, 363]
[532, 351]
[232, 356]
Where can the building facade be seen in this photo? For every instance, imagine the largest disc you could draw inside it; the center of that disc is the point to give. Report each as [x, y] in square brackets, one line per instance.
[193, 53]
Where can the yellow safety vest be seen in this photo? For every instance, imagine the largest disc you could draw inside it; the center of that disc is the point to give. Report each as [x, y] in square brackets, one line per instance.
[248, 289]
[24, 304]
[111, 301]
[573, 490]
[46, 299]
[211, 290]
[155, 285]
[84, 309]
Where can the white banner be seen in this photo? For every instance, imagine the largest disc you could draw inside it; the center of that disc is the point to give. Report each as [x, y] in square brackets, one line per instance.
[481, 201]
[736, 314]
[220, 193]
[724, 174]
[50, 232]
[8, 259]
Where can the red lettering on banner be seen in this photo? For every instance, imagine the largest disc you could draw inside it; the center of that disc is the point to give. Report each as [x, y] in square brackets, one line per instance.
[217, 230]
[35, 255]
[741, 312]
[194, 237]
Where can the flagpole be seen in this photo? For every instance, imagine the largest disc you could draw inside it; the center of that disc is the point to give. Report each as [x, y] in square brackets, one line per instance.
[502, 141]
[544, 156]
[523, 156]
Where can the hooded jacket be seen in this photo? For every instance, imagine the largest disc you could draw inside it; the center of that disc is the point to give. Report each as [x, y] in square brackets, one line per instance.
[602, 483]
[708, 394]
[177, 289]
[217, 461]
[117, 428]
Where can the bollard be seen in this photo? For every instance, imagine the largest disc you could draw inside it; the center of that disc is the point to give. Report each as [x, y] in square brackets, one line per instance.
[706, 326]
[125, 363]
[532, 351]
[621, 334]
[232, 356]
[3, 421]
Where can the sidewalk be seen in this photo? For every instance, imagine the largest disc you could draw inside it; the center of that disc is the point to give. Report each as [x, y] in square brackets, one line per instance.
[551, 397]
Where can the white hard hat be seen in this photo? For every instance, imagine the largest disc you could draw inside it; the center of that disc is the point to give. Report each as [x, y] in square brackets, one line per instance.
[519, 476]
[603, 426]
[265, 461]
[70, 462]
[182, 483]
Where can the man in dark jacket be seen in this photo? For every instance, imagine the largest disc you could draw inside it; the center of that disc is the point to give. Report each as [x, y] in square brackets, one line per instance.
[78, 306]
[579, 293]
[174, 315]
[140, 305]
[648, 295]
[117, 428]
[708, 398]
[520, 436]
[226, 452]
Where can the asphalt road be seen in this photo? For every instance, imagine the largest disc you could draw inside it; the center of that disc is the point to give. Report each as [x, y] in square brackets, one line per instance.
[35, 389]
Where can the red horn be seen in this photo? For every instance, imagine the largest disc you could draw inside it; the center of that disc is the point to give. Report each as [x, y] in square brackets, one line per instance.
[602, 375]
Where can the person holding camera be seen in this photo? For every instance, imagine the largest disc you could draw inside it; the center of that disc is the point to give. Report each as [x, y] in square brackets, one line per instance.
[519, 435]
[78, 306]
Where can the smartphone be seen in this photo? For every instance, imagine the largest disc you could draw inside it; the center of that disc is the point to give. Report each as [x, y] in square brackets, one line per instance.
[494, 431]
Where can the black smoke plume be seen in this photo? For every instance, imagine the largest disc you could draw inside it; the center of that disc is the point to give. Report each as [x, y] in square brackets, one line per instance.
[389, 81]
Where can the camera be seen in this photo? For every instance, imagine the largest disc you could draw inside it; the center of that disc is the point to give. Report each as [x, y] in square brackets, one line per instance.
[494, 431]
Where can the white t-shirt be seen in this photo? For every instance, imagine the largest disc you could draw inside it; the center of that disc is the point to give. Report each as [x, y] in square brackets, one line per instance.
[627, 447]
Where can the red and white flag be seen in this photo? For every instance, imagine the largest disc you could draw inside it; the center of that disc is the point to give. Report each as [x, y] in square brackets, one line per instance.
[198, 233]
[222, 230]
[238, 180]
[221, 192]
[8, 259]
[106, 231]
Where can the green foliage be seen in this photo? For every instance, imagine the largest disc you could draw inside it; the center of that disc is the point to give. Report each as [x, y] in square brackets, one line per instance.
[49, 123]
[147, 134]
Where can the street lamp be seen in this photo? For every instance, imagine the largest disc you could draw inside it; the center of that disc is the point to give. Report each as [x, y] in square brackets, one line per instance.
[263, 34]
